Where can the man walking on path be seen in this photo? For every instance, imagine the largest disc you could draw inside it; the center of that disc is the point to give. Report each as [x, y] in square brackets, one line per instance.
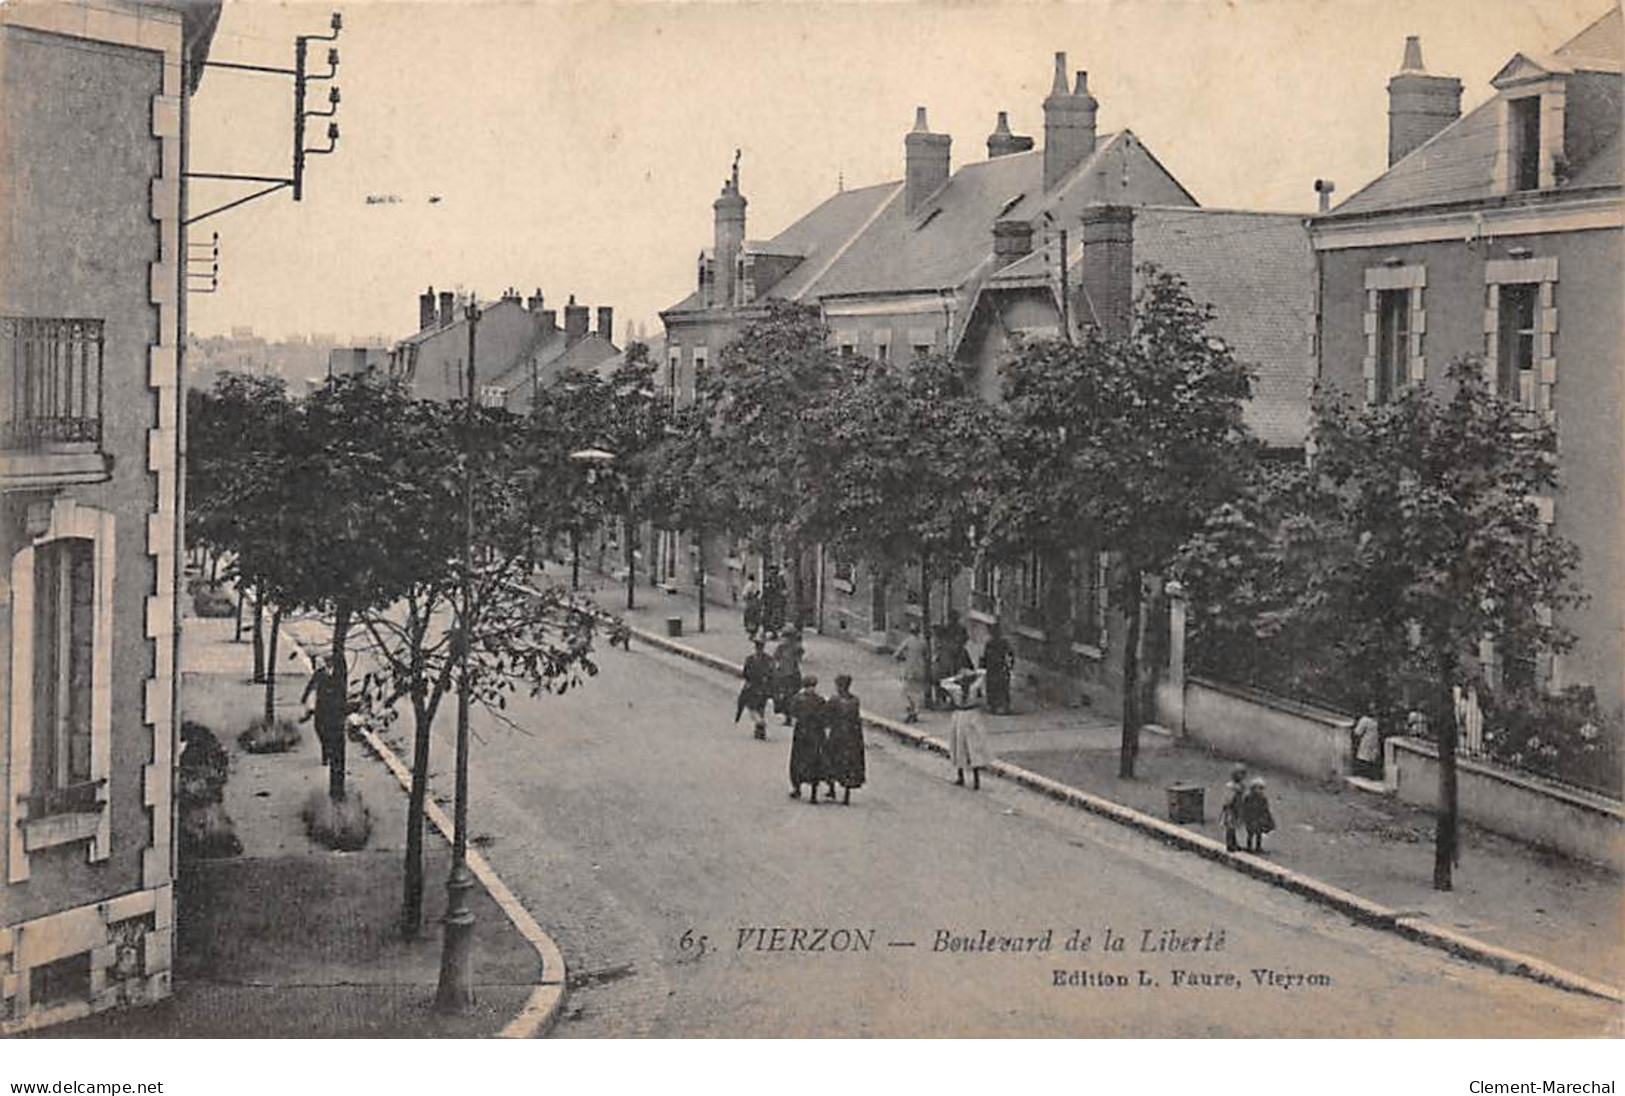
[786, 673]
[758, 688]
[751, 597]
[773, 597]
[998, 659]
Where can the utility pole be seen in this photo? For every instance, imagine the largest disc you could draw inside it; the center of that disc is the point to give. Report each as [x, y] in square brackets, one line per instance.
[1066, 294]
[455, 993]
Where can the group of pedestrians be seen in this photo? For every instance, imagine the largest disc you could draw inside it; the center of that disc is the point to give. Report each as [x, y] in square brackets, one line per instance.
[1246, 807]
[826, 745]
[951, 659]
[765, 604]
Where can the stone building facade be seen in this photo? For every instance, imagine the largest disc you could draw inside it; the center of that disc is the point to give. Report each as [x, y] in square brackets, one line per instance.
[1498, 234]
[94, 121]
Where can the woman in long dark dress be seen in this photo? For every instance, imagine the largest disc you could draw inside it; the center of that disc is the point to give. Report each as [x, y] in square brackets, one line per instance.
[807, 762]
[844, 758]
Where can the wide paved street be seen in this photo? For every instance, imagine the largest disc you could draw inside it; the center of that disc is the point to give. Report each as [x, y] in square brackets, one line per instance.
[635, 821]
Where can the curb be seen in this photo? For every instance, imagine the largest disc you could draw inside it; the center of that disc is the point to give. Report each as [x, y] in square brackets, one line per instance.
[546, 1001]
[1361, 910]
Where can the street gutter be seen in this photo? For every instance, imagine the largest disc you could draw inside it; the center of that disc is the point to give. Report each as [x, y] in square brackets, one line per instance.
[1363, 911]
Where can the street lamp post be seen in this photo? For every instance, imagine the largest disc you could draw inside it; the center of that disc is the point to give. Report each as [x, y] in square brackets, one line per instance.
[593, 459]
[455, 992]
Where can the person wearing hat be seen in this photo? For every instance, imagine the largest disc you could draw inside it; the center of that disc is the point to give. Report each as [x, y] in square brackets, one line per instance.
[844, 746]
[967, 744]
[1230, 807]
[807, 762]
[758, 688]
[1256, 814]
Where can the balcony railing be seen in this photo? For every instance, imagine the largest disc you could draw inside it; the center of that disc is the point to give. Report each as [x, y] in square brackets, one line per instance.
[54, 382]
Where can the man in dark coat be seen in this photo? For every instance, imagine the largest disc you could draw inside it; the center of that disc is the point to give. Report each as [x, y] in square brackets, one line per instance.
[807, 762]
[758, 688]
[843, 753]
[773, 599]
[786, 673]
[998, 659]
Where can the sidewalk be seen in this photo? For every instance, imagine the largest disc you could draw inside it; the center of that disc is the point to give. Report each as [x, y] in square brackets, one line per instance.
[1507, 894]
[293, 940]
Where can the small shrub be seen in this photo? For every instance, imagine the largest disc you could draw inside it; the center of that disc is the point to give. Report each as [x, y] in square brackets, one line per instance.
[203, 766]
[207, 831]
[277, 736]
[344, 824]
[212, 601]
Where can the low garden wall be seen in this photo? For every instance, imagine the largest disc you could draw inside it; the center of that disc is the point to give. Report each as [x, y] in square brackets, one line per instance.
[1262, 728]
[1516, 804]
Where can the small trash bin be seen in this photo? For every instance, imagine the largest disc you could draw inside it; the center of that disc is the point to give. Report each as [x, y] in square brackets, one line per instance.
[1186, 802]
[674, 625]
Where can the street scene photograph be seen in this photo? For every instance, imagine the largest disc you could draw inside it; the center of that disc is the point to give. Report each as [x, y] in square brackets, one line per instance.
[652, 520]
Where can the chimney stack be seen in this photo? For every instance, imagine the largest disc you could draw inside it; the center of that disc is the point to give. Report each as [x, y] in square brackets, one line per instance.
[926, 159]
[534, 303]
[1011, 241]
[575, 322]
[606, 323]
[730, 237]
[1069, 125]
[1107, 275]
[1001, 142]
[448, 306]
[550, 319]
[1419, 104]
[1324, 188]
[426, 309]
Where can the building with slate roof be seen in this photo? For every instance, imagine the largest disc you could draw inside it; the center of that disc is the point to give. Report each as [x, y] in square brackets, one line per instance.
[895, 269]
[519, 344]
[1497, 234]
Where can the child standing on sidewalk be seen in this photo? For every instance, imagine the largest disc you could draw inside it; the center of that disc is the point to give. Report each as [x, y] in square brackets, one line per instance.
[1255, 814]
[1230, 808]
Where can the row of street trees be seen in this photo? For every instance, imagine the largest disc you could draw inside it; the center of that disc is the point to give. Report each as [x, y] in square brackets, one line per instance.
[1412, 536]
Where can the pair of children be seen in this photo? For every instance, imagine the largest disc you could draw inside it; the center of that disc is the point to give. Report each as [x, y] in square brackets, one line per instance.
[1246, 806]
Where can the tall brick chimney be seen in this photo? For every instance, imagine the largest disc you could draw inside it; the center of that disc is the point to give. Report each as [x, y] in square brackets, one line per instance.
[1001, 142]
[426, 309]
[1069, 125]
[534, 302]
[730, 237]
[575, 321]
[606, 323]
[1011, 241]
[550, 319]
[1107, 275]
[1419, 103]
[926, 162]
[448, 308]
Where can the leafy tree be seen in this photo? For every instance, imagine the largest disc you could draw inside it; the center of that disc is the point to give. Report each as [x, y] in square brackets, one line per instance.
[236, 461]
[763, 392]
[685, 484]
[1417, 536]
[913, 462]
[357, 528]
[515, 635]
[1127, 443]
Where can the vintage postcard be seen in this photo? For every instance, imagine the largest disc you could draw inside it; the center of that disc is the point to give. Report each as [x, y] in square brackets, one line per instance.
[923, 519]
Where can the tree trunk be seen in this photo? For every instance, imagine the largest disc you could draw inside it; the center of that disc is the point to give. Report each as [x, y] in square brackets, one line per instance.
[1130, 748]
[259, 636]
[631, 564]
[701, 546]
[1444, 842]
[412, 898]
[341, 689]
[237, 636]
[270, 659]
[798, 588]
[925, 629]
[575, 560]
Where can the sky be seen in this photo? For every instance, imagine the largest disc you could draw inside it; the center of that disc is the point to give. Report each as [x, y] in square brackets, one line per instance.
[577, 147]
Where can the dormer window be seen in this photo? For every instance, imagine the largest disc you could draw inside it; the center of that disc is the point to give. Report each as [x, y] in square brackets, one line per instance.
[1523, 142]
